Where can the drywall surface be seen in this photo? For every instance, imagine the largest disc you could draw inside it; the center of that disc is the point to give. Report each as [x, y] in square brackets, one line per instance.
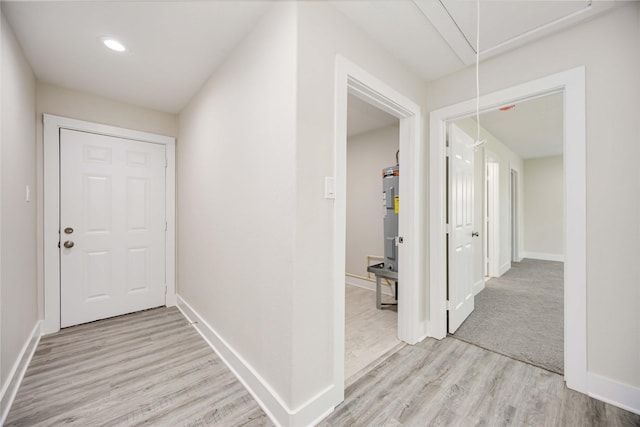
[92, 108]
[367, 154]
[236, 199]
[19, 303]
[506, 160]
[324, 33]
[543, 206]
[612, 64]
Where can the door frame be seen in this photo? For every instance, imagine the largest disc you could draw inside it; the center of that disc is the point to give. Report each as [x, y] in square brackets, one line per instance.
[514, 183]
[351, 79]
[52, 125]
[492, 203]
[572, 84]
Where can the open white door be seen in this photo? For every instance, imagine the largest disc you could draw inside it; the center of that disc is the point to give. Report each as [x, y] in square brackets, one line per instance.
[112, 226]
[461, 231]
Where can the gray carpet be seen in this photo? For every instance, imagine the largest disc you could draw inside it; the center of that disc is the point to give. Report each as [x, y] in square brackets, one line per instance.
[521, 315]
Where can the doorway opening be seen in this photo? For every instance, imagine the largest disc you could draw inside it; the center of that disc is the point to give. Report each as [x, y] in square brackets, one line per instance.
[371, 332]
[519, 313]
[352, 80]
[572, 84]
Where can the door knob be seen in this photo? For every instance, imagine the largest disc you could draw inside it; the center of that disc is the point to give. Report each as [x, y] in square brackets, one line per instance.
[68, 244]
[474, 234]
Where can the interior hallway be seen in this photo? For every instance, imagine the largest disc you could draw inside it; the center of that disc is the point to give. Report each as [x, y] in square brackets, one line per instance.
[152, 368]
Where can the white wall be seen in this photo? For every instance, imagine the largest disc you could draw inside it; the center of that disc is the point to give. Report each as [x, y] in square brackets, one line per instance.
[93, 108]
[543, 208]
[65, 102]
[236, 200]
[612, 64]
[19, 302]
[323, 33]
[506, 160]
[367, 154]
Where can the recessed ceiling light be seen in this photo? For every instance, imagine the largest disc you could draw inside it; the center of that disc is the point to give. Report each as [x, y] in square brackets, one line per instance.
[113, 44]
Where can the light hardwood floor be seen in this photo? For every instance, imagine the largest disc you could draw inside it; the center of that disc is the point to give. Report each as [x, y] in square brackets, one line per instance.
[152, 368]
[370, 334]
[147, 368]
[452, 383]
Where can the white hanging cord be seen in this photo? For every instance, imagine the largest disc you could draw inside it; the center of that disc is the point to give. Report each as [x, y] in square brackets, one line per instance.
[478, 142]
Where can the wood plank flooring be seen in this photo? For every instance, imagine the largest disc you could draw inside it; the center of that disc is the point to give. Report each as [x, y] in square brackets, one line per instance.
[147, 368]
[453, 383]
[370, 334]
[152, 368]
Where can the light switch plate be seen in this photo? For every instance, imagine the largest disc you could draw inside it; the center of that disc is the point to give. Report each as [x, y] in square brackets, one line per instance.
[329, 187]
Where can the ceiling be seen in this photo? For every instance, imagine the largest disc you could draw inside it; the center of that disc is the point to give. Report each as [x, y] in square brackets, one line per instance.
[174, 46]
[363, 117]
[531, 129]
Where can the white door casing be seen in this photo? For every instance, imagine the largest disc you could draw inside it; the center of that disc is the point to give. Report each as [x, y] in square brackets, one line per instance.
[492, 232]
[460, 285]
[572, 84]
[53, 125]
[112, 210]
[351, 79]
[515, 199]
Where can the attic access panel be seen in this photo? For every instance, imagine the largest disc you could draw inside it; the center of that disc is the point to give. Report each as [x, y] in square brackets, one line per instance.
[503, 21]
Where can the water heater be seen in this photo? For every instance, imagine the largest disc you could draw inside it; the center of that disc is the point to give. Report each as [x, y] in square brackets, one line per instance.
[391, 204]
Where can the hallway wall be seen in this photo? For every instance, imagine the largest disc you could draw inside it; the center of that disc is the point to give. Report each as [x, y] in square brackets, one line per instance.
[605, 47]
[324, 33]
[236, 204]
[543, 208]
[19, 301]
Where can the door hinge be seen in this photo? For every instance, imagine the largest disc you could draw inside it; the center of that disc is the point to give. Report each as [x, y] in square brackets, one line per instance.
[448, 305]
[166, 161]
[166, 226]
[447, 229]
[447, 151]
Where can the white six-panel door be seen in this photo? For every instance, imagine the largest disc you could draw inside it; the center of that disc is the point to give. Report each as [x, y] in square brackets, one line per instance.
[460, 254]
[112, 226]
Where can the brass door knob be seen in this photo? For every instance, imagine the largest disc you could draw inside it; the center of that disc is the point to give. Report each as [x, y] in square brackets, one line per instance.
[68, 244]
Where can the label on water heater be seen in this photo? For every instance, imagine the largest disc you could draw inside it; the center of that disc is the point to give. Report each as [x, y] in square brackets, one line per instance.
[396, 204]
[384, 203]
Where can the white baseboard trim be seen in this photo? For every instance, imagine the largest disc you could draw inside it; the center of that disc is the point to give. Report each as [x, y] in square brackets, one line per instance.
[478, 286]
[543, 256]
[11, 386]
[617, 394]
[504, 268]
[366, 284]
[309, 413]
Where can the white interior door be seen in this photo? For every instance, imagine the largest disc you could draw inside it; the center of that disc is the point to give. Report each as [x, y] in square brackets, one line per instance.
[112, 226]
[460, 283]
